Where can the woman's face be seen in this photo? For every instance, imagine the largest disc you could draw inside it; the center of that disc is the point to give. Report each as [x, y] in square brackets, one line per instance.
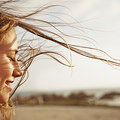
[9, 67]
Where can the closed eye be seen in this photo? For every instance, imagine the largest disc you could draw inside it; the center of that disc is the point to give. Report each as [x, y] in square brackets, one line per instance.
[12, 59]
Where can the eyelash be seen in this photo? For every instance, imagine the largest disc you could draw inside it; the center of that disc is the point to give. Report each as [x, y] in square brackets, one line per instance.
[12, 59]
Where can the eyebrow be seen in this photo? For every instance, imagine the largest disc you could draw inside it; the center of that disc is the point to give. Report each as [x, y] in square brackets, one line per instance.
[16, 51]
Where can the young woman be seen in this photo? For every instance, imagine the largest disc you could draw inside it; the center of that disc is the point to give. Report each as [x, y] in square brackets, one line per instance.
[12, 67]
[9, 67]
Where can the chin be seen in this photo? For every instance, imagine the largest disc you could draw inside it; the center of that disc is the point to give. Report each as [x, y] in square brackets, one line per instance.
[4, 98]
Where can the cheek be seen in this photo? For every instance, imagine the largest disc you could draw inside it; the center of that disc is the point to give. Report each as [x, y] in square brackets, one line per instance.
[6, 71]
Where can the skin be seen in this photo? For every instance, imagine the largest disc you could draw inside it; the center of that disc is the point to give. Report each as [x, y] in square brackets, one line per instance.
[9, 67]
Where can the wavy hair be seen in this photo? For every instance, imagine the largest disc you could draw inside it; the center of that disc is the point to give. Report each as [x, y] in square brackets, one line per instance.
[48, 35]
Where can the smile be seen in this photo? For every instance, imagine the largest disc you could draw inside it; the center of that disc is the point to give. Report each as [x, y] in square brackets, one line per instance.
[8, 85]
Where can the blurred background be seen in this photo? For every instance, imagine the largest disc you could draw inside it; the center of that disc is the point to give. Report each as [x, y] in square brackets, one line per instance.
[90, 82]
[100, 20]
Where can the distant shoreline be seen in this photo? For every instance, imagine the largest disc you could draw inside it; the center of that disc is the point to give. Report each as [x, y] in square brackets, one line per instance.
[93, 97]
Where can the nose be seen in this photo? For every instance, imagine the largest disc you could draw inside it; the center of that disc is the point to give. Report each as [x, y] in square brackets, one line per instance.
[17, 72]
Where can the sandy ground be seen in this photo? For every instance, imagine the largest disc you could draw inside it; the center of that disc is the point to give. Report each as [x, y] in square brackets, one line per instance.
[66, 113]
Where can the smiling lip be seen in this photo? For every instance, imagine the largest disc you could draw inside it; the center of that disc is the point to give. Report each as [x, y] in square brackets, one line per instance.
[8, 86]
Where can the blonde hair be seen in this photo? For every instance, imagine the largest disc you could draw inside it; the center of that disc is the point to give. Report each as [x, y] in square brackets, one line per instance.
[27, 53]
[7, 112]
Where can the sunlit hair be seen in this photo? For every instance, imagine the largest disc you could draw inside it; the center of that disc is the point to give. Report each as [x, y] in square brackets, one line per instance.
[32, 21]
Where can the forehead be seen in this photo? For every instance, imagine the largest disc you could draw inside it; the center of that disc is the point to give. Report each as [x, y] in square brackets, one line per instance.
[9, 41]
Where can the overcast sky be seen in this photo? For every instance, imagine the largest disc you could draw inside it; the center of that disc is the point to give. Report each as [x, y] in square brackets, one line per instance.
[103, 16]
